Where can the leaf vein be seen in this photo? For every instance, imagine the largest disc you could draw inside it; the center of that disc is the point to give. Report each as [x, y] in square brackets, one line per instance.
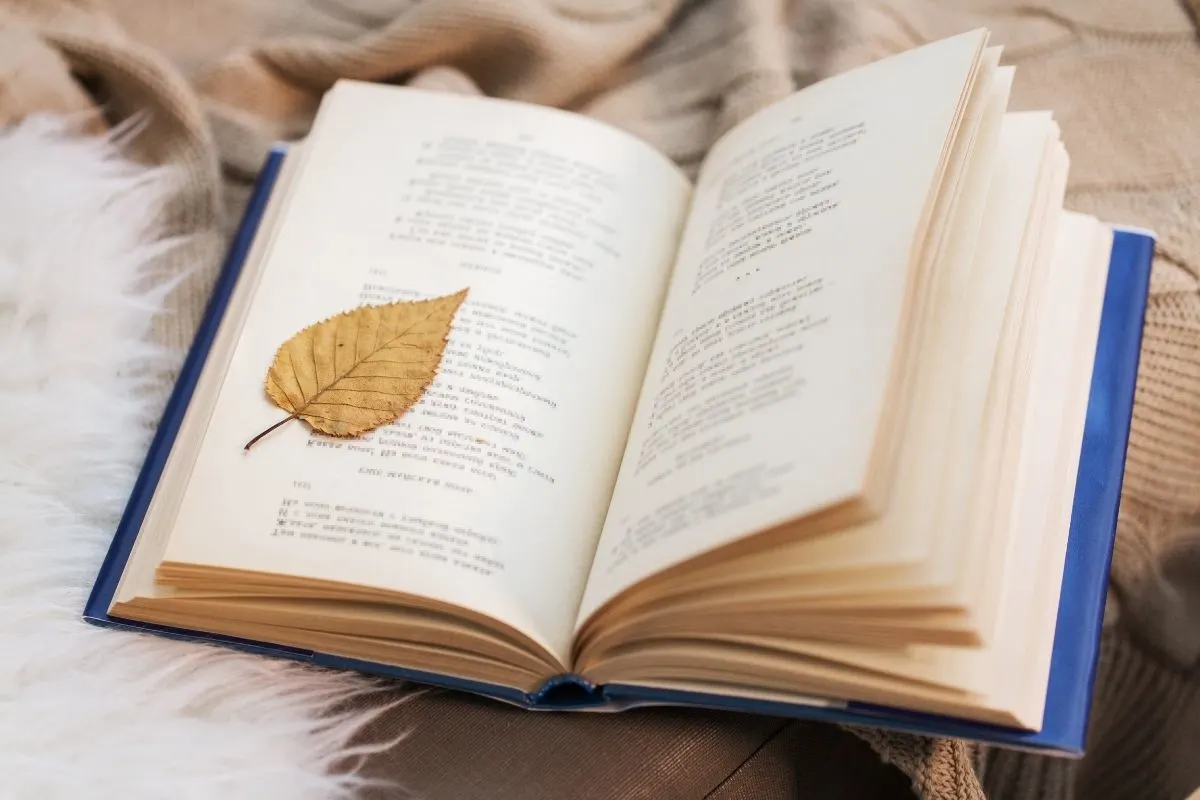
[348, 405]
[274, 380]
[368, 361]
[389, 377]
[299, 385]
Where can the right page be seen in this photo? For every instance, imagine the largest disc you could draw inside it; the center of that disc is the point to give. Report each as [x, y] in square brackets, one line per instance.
[776, 356]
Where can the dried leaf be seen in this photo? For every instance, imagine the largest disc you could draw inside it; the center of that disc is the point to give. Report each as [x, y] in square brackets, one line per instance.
[351, 373]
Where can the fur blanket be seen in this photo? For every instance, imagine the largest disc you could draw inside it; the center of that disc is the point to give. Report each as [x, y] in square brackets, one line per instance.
[88, 712]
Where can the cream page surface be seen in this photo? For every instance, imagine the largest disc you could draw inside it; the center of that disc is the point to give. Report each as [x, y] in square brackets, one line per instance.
[768, 376]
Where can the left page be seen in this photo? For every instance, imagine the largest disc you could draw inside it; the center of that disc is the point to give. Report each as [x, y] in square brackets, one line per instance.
[491, 492]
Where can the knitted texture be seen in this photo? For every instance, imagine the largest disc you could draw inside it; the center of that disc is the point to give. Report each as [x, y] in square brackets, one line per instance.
[213, 84]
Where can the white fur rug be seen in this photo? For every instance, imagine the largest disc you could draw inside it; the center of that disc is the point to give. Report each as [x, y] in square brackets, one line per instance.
[86, 712]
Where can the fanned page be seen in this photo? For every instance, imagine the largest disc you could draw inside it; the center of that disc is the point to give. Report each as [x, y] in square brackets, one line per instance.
[770, 376]
[490, 494]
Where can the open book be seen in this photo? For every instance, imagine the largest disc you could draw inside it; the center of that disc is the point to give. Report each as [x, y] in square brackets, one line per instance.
[809, 435]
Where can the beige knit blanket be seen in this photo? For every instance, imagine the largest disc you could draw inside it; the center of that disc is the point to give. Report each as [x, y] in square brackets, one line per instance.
[222, 79]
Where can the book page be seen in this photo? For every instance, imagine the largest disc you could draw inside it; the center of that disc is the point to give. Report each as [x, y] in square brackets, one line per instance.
[491, 492]
[769, 376]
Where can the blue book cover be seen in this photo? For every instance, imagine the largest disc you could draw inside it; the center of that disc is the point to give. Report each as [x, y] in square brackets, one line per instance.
[1085, 577]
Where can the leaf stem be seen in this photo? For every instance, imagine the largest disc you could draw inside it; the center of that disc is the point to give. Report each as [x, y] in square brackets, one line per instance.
[281, 422]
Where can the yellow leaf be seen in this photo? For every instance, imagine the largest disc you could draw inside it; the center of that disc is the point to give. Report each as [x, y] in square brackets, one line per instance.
[351, 373]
